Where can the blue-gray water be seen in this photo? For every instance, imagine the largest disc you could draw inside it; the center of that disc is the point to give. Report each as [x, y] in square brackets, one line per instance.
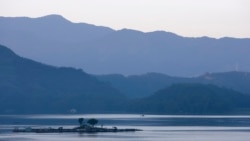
[155, 127]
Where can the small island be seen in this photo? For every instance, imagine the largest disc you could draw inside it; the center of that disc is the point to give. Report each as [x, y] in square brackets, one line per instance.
[89, 127]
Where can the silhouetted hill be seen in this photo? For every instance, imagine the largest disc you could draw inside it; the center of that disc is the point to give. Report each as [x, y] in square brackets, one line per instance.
[239, 81]
[101, 50]
[193, 99]
[138, 86]
[30, 87]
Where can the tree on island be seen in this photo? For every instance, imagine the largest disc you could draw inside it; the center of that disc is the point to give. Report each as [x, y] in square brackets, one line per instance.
[92, 121]
[80, 120]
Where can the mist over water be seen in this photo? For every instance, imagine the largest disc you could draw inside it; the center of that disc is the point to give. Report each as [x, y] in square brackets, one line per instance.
[155, 127]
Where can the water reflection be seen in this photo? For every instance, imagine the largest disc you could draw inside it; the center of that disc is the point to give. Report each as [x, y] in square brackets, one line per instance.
[156, 127]
[120, 116]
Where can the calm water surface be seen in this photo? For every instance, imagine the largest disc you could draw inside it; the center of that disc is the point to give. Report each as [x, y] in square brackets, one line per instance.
[155, 127]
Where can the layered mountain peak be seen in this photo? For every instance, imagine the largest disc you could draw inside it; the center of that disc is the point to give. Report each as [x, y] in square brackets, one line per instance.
[27, 86]
[5, 51]
[102, 50]
[53, 19]
[6, 54]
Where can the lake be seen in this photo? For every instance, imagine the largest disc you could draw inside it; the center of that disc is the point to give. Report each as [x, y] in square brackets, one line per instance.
[155, 127]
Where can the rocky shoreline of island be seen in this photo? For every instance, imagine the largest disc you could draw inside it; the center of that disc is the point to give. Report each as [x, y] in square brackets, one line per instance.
[65, 130]
[88, 127]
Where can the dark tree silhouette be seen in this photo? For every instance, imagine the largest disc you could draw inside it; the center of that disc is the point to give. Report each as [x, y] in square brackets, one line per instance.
[80, 120]
[92, 121]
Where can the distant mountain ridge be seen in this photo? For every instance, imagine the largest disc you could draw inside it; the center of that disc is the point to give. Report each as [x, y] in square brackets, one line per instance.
[29, 87]
[102, 50]
[138, 86]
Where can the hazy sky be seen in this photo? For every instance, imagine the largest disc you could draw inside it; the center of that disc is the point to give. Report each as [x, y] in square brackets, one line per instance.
[214, 18]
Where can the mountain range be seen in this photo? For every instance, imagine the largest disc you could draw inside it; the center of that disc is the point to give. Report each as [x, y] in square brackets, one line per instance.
[139, 86]
[56, 41]
[27, 86]
[30, 87]
[193, 99]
